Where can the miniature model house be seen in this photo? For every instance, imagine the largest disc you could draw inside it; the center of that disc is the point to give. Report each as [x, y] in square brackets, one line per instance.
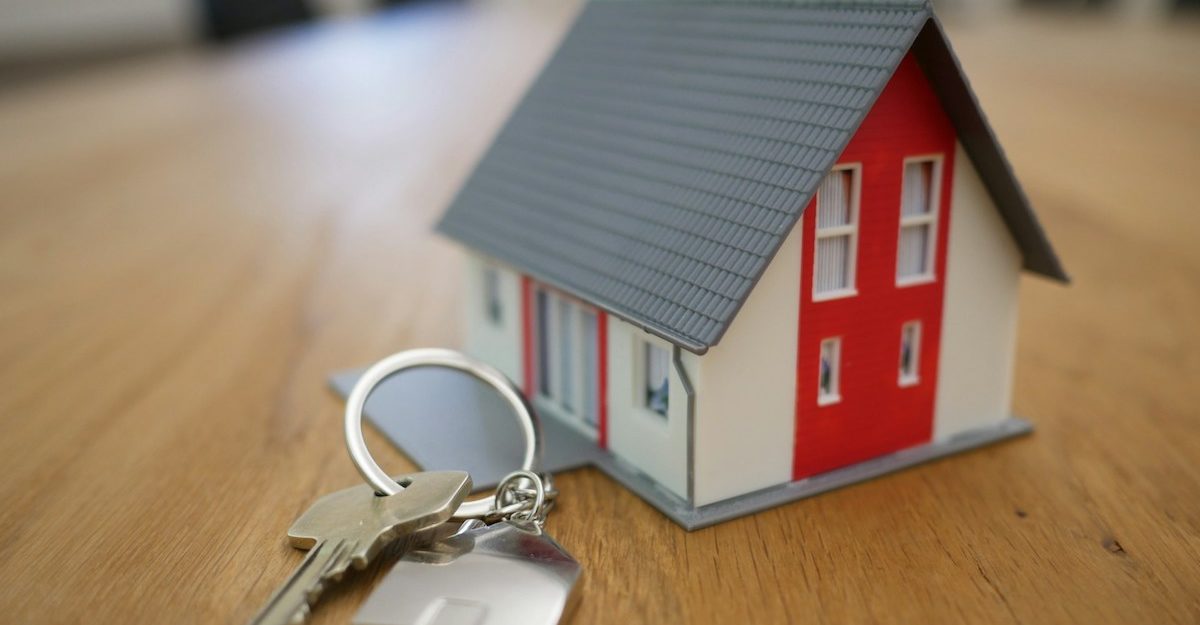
[740, 244]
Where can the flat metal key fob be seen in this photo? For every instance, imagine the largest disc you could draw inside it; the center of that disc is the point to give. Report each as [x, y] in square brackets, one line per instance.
[510, 573]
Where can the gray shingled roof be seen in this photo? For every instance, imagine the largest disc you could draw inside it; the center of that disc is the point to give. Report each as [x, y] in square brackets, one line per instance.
[667, 149]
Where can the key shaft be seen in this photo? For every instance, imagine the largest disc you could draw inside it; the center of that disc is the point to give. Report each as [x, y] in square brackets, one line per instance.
[349, 527]
[292, 603]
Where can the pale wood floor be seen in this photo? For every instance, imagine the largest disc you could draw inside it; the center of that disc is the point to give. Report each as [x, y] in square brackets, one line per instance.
[188, 245]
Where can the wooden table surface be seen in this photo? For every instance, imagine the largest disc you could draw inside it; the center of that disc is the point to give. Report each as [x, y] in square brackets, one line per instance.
[189, 244]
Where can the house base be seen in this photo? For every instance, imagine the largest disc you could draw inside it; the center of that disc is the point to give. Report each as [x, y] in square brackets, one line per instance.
[478, 438]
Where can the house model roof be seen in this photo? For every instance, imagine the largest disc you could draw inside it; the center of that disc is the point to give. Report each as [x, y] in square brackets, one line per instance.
[668, 148]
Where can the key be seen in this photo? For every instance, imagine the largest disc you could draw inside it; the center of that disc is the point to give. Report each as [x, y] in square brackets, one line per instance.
[350, 527]
[510, 573]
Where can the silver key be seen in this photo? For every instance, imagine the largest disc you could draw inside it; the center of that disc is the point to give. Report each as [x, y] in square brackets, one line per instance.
[351, 526]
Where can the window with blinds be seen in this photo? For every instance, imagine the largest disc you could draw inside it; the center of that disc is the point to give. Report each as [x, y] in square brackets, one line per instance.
[918, 219]
[544, 336]
[837, 234]
[566, 354]
[568, 357]
[591, 367]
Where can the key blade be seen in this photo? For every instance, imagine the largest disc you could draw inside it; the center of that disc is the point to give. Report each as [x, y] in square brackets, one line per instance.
[430, 499]
[292, 602]
[349, 527]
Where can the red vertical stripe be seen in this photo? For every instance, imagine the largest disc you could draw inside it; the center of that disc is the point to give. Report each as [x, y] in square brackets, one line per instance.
[876, 415]
[602, 381]
[527, 334]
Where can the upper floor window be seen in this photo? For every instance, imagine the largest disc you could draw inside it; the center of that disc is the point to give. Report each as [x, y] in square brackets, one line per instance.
[656, 368]
[918, 219]
[837, 233]
[491, 295]
[829, 372]
[910, 353]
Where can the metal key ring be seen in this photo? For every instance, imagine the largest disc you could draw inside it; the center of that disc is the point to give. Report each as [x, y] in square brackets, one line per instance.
[433, 357]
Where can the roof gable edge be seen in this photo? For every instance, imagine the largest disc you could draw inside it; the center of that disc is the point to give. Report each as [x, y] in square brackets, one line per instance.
[937, 59]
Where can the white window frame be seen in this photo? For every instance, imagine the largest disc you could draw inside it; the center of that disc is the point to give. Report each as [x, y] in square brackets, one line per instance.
[833, 231]
[642, 347]
[566, 390]
[552, 396]
[929, 219]
[545, 343]
[911, 378]
[493, 299]
[581, 382]
[835, 372]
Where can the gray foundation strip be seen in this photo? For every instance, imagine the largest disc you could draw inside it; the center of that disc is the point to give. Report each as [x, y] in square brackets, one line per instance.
[750, 503]
[474, 435]
[692, 518]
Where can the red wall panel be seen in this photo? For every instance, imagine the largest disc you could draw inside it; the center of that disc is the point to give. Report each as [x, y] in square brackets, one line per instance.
[876, 415]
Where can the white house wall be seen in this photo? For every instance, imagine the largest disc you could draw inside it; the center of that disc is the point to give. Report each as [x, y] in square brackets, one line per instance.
[746, 389]
[496, 344]
[979, 318]
[650, 443]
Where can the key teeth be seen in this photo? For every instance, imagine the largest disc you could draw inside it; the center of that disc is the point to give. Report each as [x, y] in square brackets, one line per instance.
[333, 573]
[301, 615]
[313, 594]
[362, 553]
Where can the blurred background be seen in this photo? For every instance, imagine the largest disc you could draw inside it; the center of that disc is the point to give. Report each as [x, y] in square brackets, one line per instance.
[40, 38]
[207, 206]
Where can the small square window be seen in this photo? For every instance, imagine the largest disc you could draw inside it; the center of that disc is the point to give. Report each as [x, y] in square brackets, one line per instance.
[910, 353]
[656, 366]
[491, 294]
[828, 372]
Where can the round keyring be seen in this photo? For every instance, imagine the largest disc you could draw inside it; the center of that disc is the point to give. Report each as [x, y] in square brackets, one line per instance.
[431, 357]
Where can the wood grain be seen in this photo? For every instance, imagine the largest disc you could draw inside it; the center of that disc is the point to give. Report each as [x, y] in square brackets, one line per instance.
[189, 244]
